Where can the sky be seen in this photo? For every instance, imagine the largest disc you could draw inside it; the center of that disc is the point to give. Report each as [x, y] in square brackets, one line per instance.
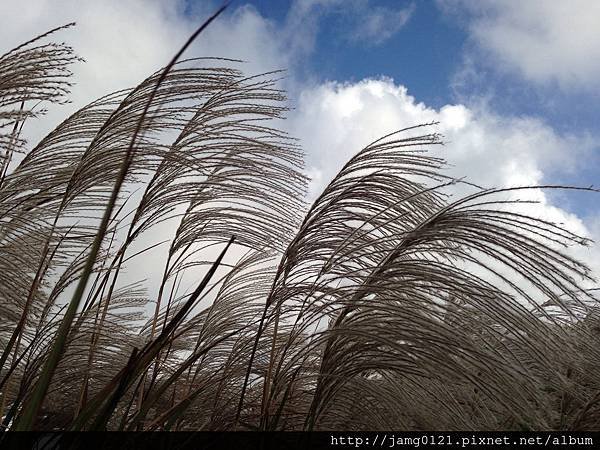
[515, 85]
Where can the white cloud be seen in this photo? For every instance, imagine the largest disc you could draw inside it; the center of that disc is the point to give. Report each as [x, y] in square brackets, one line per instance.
[125, 41]
[542, 40]
[363, 21]
[336, 120]
[380, 23]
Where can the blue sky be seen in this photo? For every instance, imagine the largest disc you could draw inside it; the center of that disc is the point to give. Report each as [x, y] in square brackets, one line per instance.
[421, 54]
[428, 54]
[515, 85]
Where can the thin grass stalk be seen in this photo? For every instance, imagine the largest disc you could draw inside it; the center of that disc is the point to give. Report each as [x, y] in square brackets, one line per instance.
[16, 131]
[147, 354]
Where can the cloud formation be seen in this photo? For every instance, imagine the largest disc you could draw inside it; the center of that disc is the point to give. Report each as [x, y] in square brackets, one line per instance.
[336, 120]
[377, 24]
[542, 41]
[357, 21]
[125, 41]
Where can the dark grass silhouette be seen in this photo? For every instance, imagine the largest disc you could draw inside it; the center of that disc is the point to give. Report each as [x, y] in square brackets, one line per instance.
[383, 305]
